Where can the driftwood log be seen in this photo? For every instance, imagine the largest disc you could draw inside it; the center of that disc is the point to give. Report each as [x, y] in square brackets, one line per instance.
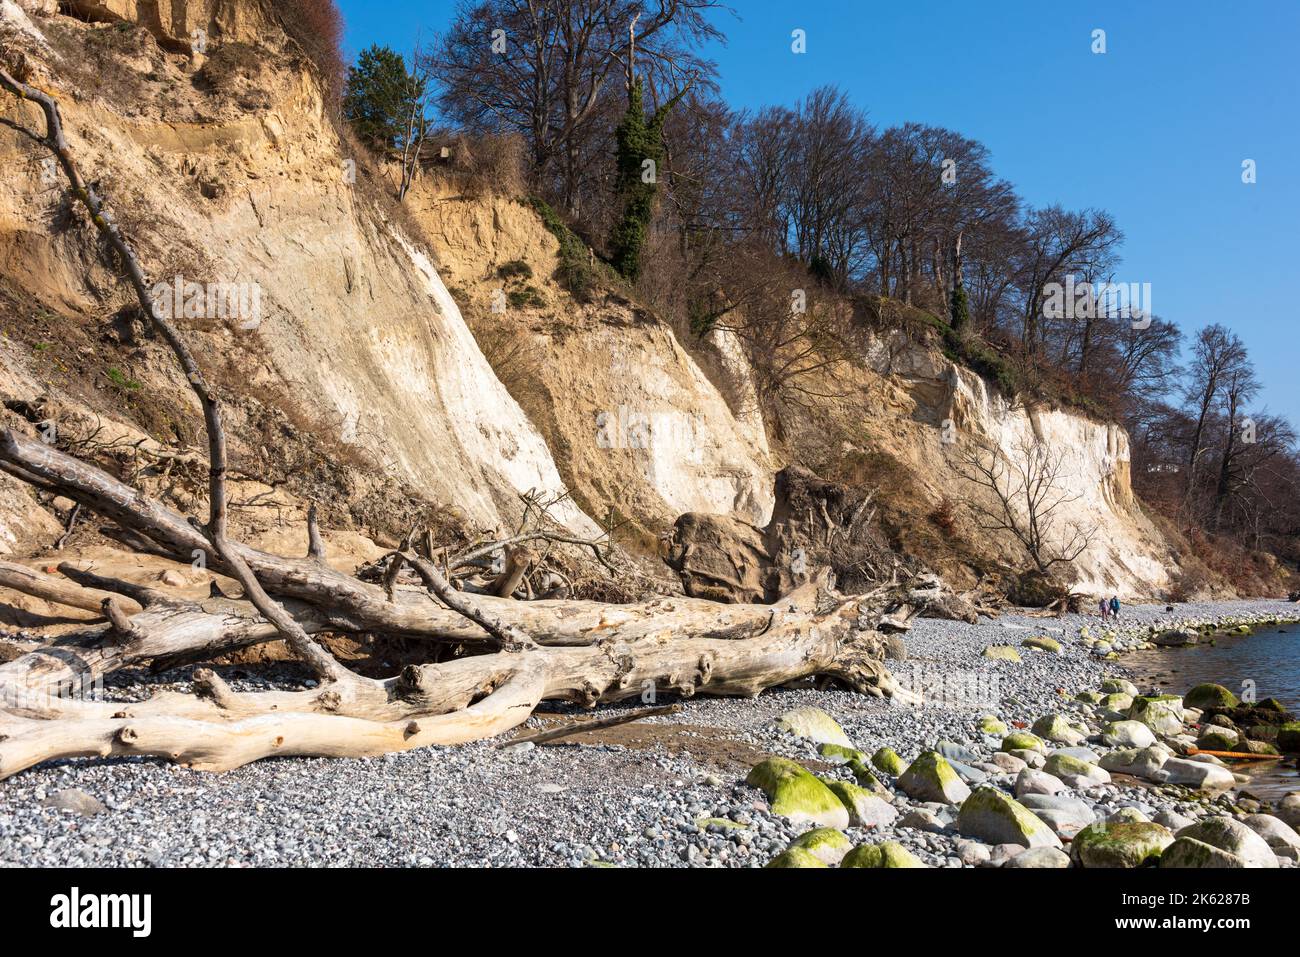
[517, 653]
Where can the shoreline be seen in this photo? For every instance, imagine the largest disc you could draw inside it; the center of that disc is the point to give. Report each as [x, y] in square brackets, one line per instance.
[666, 791]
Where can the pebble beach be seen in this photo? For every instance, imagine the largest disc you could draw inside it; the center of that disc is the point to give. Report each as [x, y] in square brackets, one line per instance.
[672, 791]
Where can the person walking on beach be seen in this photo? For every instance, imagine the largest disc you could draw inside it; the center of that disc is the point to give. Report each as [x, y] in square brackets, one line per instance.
[1114, 606]
[1103, 608]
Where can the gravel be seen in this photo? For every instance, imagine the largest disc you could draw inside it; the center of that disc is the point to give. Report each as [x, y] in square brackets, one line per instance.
[567, 804]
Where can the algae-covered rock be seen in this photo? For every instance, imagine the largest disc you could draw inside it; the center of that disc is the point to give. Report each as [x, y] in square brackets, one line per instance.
[1205, 696]
[1089, 697]
[865, 809]
[1022, 741]
[1117, 701]
[1128, 734]
[1057, 728]
[1163, 714]
[839, 754]
[1001, 653]
[1124, 844]
[815, 725]
[1128, 815]
[1043, 643]
[1288, 737]
[1233, 837]
[991, 724]
[931, 778]
[993, 817]
[1215, 738]
[887, 760]
[824, 843]
[795, 793]
[886, 854]
[862, 774]
[1187, 852]
[796, 857]
[1074, 772]
[1119, 686]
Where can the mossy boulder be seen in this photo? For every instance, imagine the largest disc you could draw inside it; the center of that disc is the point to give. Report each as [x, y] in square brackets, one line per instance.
[888, 761]
[1042, 643]
[1163, 714]
[815, 725]
[990, 816]
[1119, 686]
[796, 857]
[1074, 771]
[1187, 852]
[1057, 728]
[1089, 697]
[1232, 837]
[931, 778]
[865, 778]
[1214, 738]
[1128, 734]
[1001, 653]
[1125, 844]
[795, 793]
[839, 754]
[1022, 741]
[1205, 696]
[824, 843]
[865, 809]
[991, 724]
[1288, 737]
[1117, 701]
[886, 854]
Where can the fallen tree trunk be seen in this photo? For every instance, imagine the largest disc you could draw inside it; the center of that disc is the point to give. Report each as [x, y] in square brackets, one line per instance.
[812, 632]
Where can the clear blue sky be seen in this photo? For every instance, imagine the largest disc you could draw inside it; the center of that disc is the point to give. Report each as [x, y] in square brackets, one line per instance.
[1154, 130]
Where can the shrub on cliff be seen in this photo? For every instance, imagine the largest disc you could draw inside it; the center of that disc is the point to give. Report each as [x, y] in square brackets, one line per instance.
[316, 26]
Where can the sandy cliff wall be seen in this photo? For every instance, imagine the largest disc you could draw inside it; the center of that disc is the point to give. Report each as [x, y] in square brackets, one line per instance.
[353, 320]
[226, 169]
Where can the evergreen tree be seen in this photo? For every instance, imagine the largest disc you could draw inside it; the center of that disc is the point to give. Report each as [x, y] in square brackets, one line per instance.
[379, 98]
[960, 310]
[640, 152]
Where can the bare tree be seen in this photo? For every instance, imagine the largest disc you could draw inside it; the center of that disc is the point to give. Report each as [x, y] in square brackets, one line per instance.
[1031, 495]
[417, 99]
[539, 68]
[1217, 356]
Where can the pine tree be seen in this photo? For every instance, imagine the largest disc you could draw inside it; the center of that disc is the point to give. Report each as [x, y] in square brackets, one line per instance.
[379, 97]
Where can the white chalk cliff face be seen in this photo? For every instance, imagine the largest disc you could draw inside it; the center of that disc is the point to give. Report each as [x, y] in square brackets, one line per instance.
[1123, 555]
[1127, 554]
[633, 421]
